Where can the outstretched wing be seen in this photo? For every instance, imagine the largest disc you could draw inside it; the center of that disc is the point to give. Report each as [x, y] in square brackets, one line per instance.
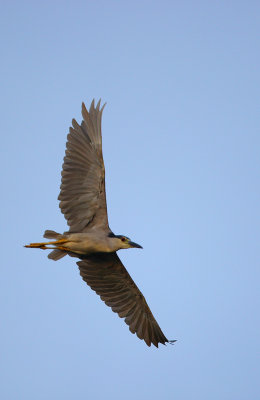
[107, 276]
[82, 195]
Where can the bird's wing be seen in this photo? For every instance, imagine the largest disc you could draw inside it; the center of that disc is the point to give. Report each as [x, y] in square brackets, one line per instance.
[107, 276]
[82, 195]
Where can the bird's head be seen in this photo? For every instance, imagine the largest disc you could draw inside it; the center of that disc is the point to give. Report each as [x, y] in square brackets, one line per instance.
[123, 242]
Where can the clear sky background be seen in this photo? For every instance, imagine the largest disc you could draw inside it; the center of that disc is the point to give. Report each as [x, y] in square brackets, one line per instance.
[181, 137]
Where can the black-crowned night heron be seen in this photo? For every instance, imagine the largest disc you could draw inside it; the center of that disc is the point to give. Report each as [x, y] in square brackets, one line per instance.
[83, 203]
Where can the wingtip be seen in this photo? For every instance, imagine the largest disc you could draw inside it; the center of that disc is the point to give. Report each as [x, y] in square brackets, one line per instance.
[98, 105]
[92, 106]
[172, 342]
[83, 108]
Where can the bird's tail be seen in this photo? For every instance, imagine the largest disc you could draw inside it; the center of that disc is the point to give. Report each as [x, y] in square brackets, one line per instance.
[52, 235]
[58, 248]
[57, 254]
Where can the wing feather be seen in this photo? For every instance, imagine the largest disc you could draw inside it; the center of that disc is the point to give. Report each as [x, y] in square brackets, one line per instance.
[82, 192]
[107, 276]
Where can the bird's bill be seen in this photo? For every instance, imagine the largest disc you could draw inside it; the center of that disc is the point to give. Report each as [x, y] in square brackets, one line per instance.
[133, 244]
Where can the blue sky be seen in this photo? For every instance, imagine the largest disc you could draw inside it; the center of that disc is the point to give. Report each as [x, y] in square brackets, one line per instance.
[181, 148]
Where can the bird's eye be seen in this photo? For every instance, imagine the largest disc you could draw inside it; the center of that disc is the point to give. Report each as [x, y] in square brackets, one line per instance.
[123, 239]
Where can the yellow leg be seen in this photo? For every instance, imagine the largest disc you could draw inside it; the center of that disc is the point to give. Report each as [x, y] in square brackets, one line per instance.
[62, 248]
[44, 244]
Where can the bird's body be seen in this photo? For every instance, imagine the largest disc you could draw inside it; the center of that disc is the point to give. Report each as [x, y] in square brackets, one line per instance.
[89, 243]
[83, 202]
[93, 241]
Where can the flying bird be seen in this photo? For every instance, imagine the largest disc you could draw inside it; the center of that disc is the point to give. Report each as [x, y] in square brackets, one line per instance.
[83, 202]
